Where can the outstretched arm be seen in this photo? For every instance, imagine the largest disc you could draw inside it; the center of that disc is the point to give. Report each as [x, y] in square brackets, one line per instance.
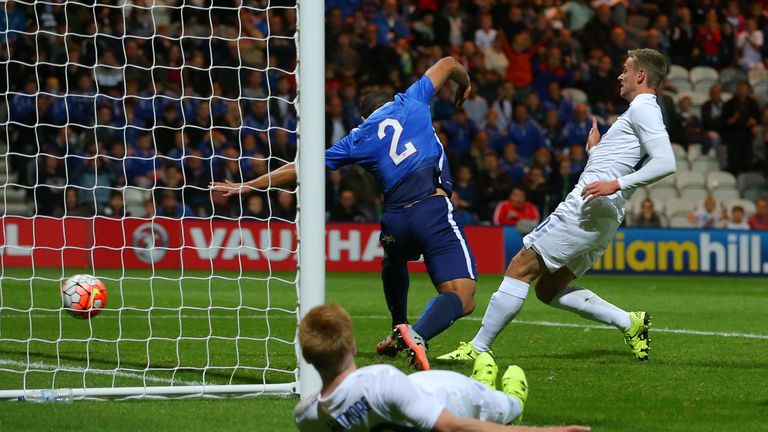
[447, 68]
[448, 422]
[283, 176]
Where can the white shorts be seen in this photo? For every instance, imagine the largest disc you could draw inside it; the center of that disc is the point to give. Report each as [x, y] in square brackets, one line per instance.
[577, 233]
[465, 397]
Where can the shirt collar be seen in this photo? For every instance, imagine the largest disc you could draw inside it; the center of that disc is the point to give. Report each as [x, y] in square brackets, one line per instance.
[642, 96]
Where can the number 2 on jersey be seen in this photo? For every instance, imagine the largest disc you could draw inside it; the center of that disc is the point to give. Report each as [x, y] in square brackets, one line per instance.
[397, 130]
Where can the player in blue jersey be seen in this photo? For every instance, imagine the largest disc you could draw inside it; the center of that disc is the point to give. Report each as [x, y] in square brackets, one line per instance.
[397, 144]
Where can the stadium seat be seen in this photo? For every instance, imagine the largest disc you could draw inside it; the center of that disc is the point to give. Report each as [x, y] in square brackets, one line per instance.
[750, 180]
[705, 164]
[19, 209]
[134, 200]
[694, 193]
[679, 222]
[679, 151]
[720, 179]
[699, 97]
[689, 179]
[726, 96]
[663, 193]
[677, 72]
[576, 95]
[679, 207]
[13, 195]
[726, 194]
[749, 207]
[682, 85]
[702, 87]
[668, 181]
[699, 73]
[694, 151]
[760, 88]
[682, 164]
[729, 78]
[753, 194]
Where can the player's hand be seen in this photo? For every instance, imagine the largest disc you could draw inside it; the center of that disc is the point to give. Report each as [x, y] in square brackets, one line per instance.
[594, 135]
[227, 188]
[462, 94]
[600, 188]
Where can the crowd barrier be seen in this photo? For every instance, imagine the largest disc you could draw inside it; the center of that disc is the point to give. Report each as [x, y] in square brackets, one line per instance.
[248, 245]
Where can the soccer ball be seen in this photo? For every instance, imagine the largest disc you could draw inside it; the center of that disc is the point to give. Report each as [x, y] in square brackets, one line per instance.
[83, 296]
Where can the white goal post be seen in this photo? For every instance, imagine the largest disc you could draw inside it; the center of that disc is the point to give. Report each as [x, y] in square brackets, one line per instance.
[200, 304]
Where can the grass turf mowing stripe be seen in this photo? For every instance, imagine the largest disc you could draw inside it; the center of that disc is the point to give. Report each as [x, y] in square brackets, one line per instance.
[382, 317]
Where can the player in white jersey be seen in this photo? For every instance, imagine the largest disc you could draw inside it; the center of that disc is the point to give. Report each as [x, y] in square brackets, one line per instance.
[382, 398]
[568, 243]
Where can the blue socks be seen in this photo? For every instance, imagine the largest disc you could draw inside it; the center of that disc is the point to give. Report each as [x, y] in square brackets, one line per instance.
[439, 314]
[394, 276]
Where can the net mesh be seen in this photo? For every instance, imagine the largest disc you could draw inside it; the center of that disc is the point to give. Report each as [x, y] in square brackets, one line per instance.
[116, 117]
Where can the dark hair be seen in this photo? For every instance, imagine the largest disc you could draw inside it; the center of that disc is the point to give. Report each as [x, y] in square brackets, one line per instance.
[372, 101]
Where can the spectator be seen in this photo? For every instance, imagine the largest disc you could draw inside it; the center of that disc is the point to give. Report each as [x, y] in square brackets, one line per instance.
[553, 132]
[465, 194]
[511, 164]
[682, 36]
[116, 207]
[709, 216]
[170, 207]
[461, 131]
[72, 206]
[536, 189]
[286, 206]
[597, 32]
[476, 106]
[254, 207]
[740, 115]
[516, 210]
[520, 55]
[736, 221]
[708, 38]
[556, 100]
[49, 190]
[760, 143]
[347, 209]
[576, 130]
[647, 218]
[450, 24]
[712, 109]
[140, 162]
[492, 185]
[524, 132]
[389, 25]
[759, 220]
[485, 36]
[750, 44]
[601, 86]
[504, 105]
[560, 184]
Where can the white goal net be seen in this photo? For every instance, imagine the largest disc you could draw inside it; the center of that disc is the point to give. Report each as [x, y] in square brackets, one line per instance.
[116, 116]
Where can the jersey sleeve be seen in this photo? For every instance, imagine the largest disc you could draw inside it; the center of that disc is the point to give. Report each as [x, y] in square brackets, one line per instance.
[422, 90]
[405, 400]
[340, 154]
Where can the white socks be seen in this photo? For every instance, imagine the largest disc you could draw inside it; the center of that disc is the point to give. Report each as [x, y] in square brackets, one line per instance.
[505, 303]
[589, 305]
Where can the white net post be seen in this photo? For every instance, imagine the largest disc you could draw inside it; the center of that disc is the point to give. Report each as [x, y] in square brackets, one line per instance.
[311, 172]
[198, 306]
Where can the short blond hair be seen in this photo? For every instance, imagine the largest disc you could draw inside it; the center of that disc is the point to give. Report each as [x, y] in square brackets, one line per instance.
[652, 61]
[326, 337]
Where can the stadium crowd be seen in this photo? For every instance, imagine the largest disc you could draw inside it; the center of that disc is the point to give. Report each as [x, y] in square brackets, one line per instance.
[142, 97]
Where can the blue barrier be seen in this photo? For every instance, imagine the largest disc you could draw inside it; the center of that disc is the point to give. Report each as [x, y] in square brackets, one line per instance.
[677, 251]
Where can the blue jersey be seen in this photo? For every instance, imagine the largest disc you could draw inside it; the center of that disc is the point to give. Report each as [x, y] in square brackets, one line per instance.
[398, 145]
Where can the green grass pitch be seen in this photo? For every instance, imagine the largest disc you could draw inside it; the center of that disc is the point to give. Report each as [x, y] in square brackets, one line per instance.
[707, 370]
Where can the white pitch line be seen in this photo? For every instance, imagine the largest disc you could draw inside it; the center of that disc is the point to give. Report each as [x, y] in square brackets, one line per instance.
[382, 317]
[66, 368]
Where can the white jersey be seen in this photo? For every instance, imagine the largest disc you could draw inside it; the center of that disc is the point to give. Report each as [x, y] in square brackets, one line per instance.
[382, 398]
[638, 132]
[578, 232]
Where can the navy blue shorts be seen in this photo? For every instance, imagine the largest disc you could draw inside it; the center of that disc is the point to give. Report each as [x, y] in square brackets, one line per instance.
[429, 228]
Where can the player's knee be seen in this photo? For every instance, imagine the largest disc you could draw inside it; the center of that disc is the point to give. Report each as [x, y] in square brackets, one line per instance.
[545, 293]
[468, 305]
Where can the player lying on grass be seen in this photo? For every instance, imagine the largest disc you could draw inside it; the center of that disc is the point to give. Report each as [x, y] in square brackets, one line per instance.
[569, 242]
[382, 398]
[397, 144]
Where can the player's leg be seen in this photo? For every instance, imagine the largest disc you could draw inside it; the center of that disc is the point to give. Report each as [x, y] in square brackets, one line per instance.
[509, 298]
[464, 397]
[555, 289]
[395, 279]
[455, 300]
